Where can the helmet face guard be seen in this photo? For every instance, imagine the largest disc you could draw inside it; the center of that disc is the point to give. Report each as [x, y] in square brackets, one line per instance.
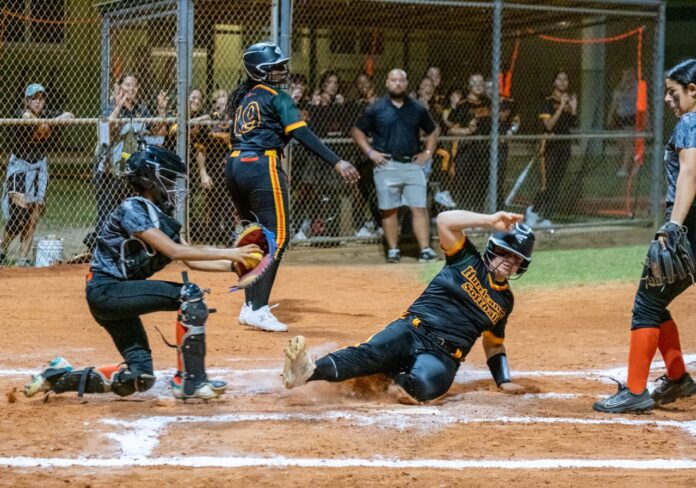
[518, 241]
[160, 172]
[261, 59]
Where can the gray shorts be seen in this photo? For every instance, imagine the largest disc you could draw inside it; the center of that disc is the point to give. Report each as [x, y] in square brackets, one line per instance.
[400, 184]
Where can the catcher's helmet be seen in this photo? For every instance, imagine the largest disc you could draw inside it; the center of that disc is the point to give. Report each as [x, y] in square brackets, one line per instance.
[260, 58]
[519, 240]
[157, 169]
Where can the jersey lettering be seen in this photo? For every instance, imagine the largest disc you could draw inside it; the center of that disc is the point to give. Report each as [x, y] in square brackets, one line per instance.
[247, 118]
[472, 286]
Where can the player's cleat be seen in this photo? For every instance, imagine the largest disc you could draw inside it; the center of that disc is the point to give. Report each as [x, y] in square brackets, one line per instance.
[625, 401]
[262, 318]
[206, 391]
[39, 383]
[445, 199]
[394, 255]
[298, 365]
[427, 255]
[402, 396]
[669, 390]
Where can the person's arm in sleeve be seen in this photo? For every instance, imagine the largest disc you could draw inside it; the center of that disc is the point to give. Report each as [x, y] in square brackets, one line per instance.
[364, 127]
[294, 125]
[496, 358]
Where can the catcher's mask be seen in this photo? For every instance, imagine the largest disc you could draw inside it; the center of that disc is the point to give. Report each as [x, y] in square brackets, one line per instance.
[156, 169]
[262, 58]
[519, 241]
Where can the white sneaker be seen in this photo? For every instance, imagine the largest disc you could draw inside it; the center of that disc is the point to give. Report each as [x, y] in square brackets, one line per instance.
[427, 255]
[445, 199]
[261, 319]
[298, 365]
[544, 224]
[299, 236]
[207, 391]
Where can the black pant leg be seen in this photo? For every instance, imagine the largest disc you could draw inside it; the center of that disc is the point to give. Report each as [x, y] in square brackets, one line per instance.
[430, 376]
[388, 351]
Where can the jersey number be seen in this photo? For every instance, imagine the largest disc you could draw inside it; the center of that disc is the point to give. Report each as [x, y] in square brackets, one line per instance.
[247, 118]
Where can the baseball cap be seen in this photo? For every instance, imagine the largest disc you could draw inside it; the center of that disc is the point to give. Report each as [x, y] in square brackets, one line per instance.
[33, 89]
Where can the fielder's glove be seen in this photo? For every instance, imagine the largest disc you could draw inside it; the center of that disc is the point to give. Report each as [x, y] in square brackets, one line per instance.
[253, 268]
[673, 262]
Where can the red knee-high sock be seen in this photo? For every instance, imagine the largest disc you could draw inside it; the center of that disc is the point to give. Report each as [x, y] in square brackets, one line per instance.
[643, 349]
[671, 350]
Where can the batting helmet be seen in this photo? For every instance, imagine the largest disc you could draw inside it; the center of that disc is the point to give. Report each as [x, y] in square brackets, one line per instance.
[260, 58]
[519, 241]
[157, 169]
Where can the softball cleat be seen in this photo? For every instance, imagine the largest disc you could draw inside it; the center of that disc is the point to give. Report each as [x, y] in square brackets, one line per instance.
[669, 390]
[625, 401]
[299, 367]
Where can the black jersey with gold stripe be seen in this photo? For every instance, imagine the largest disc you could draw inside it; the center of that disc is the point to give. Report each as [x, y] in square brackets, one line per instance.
[464, 301]
[265, 120]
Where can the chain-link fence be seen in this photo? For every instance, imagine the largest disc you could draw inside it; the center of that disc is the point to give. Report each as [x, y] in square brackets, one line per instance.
[562, 132]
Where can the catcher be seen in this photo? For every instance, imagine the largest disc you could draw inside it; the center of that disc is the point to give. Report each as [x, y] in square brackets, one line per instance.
[140, 238]
[669, 266]
[468, 298]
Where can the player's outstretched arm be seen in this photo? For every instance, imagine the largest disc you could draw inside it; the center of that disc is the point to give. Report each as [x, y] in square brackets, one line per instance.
[451, 224]
[496, 358]
[216, 259]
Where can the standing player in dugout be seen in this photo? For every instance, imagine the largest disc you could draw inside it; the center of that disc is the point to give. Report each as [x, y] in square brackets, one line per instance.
[265, 119]
[669, 267]
[422, 350]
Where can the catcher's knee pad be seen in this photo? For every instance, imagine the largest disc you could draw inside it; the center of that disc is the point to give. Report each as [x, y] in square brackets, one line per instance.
[190, 338]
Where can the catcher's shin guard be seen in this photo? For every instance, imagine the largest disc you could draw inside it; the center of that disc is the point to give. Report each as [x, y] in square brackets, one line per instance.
[114, 378]
[190, 344]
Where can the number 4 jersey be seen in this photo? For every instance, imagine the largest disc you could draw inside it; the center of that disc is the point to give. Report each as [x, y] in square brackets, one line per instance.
[265, 120]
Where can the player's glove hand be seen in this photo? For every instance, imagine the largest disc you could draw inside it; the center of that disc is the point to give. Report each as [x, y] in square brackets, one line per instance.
[670, 257]
[255, 265]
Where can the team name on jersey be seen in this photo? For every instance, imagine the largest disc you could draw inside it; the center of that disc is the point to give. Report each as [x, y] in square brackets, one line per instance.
[472, 286]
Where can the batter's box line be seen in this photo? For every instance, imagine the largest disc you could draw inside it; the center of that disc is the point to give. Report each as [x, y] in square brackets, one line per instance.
[141, 436]
[342, 463]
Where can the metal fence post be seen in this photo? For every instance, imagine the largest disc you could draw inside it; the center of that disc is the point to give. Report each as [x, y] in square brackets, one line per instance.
[183, 69]
[286, 26]
[491, 198]
[105, 59]
[658, 117]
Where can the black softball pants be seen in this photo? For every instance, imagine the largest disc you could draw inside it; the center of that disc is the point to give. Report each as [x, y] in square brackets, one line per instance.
[650, 305]
[259, 188]
[420, 367]
[117, 306]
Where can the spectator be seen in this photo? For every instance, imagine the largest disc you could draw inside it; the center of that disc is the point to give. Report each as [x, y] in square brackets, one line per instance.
[509, 125]
[435, 75]
[110, 188]
[329, 85]
[395, 122]
[472, 117]
[558, 115]
[622, 116]
[364, 90]
[24, 191]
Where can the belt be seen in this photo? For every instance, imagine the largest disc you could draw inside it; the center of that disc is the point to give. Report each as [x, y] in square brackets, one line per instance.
[452, 349]
[402, 159]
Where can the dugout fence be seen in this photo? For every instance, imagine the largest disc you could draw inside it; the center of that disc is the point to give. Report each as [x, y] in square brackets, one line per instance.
[487, 67]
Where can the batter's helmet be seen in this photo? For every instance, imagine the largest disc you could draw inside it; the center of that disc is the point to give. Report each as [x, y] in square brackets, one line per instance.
[519, 240]
[260, 58]
[157, 169]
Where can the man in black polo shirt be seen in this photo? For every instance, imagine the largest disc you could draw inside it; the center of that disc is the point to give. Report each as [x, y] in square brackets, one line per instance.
[395, 121]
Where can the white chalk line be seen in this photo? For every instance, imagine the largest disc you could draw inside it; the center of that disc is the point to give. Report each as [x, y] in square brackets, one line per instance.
[341, 463]
[141, 436]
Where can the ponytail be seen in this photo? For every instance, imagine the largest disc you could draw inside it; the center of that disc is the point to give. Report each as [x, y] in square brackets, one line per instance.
[237, 95]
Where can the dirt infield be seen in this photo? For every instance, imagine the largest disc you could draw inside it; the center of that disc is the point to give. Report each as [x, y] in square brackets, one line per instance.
[562, 344]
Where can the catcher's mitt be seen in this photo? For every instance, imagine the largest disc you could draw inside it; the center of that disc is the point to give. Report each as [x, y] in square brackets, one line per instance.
[253, 268]
[673, 262]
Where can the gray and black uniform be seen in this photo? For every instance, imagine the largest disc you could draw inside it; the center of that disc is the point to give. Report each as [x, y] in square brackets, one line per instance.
[423, 349]
[650, 306]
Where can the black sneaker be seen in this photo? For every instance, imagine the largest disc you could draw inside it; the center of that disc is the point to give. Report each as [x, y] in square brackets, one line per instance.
[624, 401]
[393, 255]
[669, 390]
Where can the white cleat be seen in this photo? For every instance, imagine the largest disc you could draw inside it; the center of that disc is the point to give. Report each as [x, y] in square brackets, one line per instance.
[298, 365]
[39, 384]
[262, 318]
[207, 391]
